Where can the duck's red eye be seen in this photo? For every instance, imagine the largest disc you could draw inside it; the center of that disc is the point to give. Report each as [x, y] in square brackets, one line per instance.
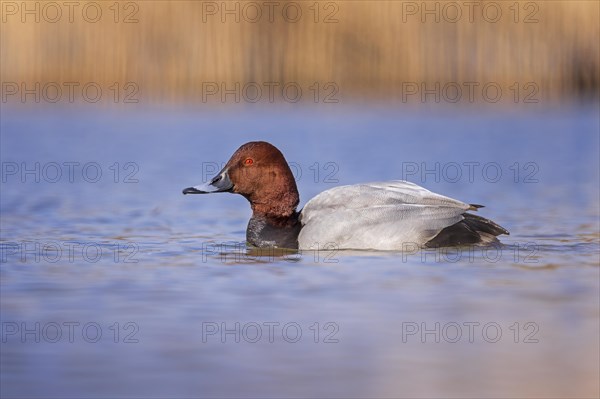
[248, 161]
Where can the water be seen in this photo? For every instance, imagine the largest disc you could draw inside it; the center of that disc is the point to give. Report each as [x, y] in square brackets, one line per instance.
[172, 272]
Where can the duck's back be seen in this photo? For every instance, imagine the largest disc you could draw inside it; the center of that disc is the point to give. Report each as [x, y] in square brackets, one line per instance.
[394, 215]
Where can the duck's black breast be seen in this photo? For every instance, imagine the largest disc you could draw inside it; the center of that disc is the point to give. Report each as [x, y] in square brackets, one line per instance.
[274, 232]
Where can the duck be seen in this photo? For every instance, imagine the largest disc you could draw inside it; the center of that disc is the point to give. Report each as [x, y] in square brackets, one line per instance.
[381, 216]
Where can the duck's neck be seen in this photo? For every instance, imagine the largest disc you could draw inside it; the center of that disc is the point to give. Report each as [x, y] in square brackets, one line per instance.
[275, 222]
[276, 207]
[277, 200]
[274, 219]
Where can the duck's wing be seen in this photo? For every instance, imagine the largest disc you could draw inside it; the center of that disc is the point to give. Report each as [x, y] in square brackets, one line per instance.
[381, 215]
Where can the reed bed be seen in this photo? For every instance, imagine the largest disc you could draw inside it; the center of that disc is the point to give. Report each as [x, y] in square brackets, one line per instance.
[367, 50]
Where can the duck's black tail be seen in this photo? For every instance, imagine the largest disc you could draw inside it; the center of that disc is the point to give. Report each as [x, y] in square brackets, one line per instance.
[472, 229]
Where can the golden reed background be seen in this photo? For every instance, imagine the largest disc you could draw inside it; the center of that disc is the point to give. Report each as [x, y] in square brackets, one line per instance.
[372, 49]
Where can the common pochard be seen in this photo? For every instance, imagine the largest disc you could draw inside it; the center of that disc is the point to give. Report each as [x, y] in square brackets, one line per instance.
[392, 215]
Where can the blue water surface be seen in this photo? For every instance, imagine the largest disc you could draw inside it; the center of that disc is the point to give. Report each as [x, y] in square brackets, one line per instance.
[154, 294]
